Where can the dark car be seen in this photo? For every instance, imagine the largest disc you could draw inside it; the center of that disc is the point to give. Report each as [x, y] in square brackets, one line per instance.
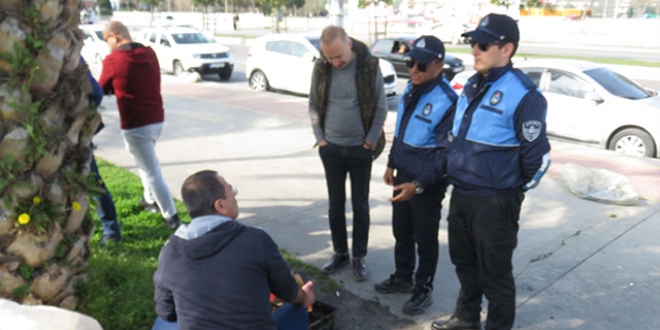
[394, 50]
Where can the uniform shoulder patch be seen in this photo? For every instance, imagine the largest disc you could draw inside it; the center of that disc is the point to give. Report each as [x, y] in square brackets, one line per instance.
[531, 130]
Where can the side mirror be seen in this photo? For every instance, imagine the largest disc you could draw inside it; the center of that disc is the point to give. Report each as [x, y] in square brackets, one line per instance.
[309, 57]
[652, 91]
[592, 96]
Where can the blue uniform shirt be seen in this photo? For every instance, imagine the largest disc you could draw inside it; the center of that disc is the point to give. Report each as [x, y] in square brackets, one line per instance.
[421, 135]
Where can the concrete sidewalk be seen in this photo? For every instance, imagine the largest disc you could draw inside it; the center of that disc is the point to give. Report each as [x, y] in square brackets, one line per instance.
[578, 265]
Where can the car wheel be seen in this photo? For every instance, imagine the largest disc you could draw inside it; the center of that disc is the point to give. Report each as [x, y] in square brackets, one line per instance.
[258, 81]
[177, 68]
[225, 75]
[633, 141]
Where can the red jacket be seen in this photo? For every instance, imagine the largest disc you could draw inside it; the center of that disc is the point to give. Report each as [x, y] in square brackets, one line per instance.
[132, 73]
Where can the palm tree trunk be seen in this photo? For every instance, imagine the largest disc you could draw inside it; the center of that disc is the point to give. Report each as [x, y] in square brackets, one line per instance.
[46, 125]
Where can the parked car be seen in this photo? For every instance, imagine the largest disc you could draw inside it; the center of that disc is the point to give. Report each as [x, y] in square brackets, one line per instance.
[182, 49]
[589, 103]
[394, 50]
[460, 79]
[94, 47]
[285, 62]
[449, 31]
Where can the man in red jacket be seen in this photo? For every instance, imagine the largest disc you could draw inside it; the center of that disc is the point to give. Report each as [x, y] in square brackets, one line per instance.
[132, 73]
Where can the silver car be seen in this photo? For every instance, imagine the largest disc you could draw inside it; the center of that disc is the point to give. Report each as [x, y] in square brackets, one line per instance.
[589, 103]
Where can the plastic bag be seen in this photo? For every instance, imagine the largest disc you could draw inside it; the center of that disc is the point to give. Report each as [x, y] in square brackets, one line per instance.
[599, 185]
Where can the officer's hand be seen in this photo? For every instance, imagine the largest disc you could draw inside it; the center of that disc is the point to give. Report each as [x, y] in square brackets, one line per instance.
[388, 177]
[406, 192]
[322, 143]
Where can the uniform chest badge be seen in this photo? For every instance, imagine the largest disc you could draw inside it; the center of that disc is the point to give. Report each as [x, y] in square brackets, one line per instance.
[496, 98]
[531, 129]
[427, 109]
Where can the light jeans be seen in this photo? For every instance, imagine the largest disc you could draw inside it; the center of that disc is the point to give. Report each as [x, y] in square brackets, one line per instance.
[141, 143]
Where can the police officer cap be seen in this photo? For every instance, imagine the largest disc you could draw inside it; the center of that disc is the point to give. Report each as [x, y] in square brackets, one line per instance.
[426, 49]
[495, 27]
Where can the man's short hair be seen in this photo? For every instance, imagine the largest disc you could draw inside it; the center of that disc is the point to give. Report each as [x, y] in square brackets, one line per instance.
[332, 33]
[119, 29]
[200, 191]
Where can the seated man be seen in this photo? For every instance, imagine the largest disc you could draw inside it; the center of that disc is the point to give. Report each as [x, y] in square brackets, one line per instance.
[216, 273]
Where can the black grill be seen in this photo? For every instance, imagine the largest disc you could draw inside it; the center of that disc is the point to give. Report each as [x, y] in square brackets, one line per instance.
[214, 55]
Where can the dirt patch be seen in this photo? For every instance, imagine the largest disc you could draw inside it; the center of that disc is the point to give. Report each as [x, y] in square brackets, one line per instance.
[355, 313]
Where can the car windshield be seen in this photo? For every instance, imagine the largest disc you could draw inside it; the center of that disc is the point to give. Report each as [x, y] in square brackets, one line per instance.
[99, 34]
[618, 84]
[190, 38]
[316, 43]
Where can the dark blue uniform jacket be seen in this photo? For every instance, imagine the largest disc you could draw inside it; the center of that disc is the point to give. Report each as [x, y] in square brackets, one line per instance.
[498, 137]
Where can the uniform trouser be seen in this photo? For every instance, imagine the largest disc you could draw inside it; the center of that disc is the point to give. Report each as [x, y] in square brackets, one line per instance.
[415, 223]
[482, 236]
[356, 162]
[141, 143]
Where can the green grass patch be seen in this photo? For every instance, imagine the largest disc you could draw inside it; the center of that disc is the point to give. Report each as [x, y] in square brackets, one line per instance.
[119, 290]
[591, 59]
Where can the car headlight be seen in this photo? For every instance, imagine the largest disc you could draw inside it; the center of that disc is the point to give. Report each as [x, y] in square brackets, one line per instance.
[446, 66]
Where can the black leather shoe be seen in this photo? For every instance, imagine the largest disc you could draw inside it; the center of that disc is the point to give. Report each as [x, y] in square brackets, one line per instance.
[338, 261]
[149, 207]
[455, 323]
[418, 302]
[106, 238]
[172, 222]
[360, 271]
[392, 285]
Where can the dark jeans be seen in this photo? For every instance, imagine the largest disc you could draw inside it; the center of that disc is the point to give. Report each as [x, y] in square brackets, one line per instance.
[416, 222]
[287, 317]
[482, 236]
[355, 161]
[106, 206]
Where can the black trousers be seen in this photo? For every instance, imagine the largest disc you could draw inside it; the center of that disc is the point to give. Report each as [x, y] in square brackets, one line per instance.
[338, 162]
[415, 223]
[482, 236]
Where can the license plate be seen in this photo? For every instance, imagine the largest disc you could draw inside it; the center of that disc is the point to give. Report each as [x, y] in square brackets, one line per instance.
[216, 65]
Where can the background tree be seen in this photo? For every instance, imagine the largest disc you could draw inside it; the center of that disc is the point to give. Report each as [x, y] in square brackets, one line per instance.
[205, 13]
[502, 3]
[46, 125]
[533, 3]
[152, 4]
[364, 3]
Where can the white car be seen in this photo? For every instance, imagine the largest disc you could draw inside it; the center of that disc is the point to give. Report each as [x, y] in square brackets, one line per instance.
[94, 47]
[182, 49]
[286, 61]
[459, 80]
[449, 31]
[589, 103]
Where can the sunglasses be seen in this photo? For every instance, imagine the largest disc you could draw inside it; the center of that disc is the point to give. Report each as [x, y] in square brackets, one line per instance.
[421, 67]
[484, 47]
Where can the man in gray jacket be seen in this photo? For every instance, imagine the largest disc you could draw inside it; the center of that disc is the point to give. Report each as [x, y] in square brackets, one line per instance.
[347, 106]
